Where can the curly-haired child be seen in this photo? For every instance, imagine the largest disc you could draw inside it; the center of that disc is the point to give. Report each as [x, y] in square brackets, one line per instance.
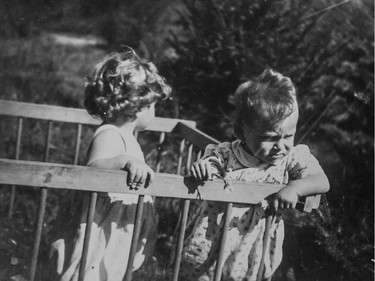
[265, 124]
[122, 92]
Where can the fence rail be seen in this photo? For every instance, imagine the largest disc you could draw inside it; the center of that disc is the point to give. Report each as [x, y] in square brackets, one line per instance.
[51, 175]
[75, 115]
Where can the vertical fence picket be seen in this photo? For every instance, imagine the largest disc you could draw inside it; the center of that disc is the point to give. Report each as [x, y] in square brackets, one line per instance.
[48, 141]
[73, 193]
[160, 151]
[180, 241]
[188, 158]
[134, 243]
[266, 243]
[85, 249]
[220, 260]
[199, 154]
[180, 156]
[38, 233]
[184, 216]
[77, 144]
[41, 210]
[17, 157]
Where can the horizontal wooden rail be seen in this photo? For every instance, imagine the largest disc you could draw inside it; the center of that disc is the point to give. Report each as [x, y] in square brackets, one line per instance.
[195, 136]
[30, 173]
[75, 115]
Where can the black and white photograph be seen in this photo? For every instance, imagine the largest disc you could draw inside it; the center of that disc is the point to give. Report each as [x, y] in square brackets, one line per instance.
[187, 140]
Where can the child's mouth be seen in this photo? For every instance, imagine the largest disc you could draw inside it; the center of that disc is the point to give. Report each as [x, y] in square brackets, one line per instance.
[277, 156]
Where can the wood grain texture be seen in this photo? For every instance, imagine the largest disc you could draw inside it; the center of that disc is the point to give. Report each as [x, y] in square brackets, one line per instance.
[195, 136]
[31, 173]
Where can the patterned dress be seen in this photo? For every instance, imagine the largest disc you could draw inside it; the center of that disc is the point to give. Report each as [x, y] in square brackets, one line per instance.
[111, 233]
[244, 245]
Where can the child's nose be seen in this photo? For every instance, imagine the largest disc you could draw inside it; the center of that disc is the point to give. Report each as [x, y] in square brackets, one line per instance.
[279, 145]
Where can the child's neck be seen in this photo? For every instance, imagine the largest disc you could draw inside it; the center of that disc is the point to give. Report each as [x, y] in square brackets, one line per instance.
[250, 152]
[125, 127]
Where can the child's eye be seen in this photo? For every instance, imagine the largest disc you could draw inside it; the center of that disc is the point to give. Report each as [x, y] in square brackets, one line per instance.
[268, 138]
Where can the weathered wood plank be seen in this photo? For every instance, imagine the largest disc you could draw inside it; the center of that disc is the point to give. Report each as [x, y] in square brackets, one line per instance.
[75, 115]
[30, 173]
[195, 136]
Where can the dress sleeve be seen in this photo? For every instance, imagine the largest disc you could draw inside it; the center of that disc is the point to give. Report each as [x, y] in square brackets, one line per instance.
[218, 156]
[302, 163]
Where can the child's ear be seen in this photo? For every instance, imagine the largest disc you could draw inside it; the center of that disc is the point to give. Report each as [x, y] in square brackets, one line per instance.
[238, 130]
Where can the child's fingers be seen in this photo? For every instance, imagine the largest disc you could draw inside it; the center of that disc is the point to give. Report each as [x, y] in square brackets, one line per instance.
[143, 177]
[151, 175]
[193, 172]
[290, 205]
[197, 171]
[132, 174]
[203, 170]
[130, 178]
[208, 170]
[275, 204]
[137, 179]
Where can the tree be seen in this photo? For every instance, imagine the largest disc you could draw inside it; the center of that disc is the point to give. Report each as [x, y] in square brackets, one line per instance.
[327, 49]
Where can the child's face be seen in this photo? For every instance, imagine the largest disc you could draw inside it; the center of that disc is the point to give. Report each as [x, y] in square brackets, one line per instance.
[271, 145]
[145, 117]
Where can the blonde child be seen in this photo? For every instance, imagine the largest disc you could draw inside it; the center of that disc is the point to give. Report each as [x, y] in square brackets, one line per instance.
[266, 120]
[122, 92]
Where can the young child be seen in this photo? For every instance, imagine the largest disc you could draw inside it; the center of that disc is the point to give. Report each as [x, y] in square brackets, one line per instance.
[122, 91]
[266, 120]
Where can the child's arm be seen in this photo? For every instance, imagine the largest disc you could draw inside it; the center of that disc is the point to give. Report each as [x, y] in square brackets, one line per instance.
[306, 178]
[107, 151]
[287, 197]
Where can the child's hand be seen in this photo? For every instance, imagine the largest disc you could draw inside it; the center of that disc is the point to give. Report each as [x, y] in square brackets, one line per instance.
[138, 173]
[201, 170]
[285, 198]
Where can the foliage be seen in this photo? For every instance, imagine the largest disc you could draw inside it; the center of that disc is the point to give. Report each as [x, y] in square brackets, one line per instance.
[327, 50]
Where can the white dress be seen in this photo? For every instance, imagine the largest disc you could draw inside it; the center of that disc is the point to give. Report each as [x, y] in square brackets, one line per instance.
[112, 231]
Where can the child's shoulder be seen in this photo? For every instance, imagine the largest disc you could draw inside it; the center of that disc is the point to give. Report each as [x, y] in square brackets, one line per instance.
[298, 153]
[220, 145]
[221, 148]
[301, 157]
[108, 135]
[300, 149]
[107, 132]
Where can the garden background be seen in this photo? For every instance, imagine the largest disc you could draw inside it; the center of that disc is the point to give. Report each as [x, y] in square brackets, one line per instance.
[205, 49]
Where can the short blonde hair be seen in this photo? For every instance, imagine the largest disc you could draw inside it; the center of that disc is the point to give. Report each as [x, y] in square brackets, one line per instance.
[264, 101]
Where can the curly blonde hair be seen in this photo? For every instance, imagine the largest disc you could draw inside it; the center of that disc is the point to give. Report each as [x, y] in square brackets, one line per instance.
[121, 85]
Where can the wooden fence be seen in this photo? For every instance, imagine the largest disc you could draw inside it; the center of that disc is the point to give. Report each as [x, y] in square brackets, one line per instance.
[46, 175]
